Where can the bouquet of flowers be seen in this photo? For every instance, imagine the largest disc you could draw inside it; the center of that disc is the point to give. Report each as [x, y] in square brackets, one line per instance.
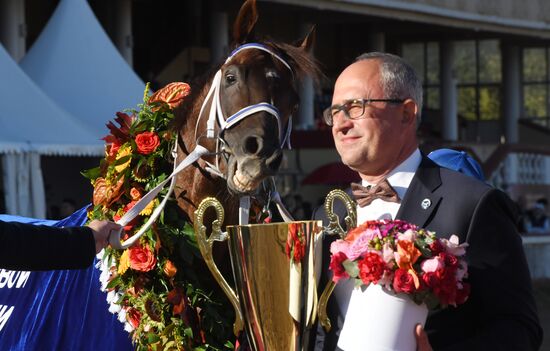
[403, 259]
[155, 287]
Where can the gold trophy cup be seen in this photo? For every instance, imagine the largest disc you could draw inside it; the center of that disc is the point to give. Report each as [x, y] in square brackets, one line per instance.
[275, 272]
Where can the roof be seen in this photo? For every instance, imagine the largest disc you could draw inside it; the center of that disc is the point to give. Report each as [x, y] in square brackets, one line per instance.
[31, 121]
[76, 64]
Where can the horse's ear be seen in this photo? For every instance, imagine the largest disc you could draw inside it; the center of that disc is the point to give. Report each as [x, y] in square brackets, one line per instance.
[246, 20]
[309, 41]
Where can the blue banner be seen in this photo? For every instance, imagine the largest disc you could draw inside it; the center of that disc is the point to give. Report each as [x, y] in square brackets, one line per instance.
[57, 310]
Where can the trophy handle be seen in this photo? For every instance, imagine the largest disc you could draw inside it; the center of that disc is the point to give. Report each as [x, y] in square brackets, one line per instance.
[205, 246]
[334, 228]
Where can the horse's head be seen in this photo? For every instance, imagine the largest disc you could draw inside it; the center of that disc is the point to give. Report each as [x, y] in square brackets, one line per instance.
[250, 103]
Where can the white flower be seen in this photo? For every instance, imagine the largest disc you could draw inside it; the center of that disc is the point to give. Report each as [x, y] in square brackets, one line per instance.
[122, 316]
[114, 308]
[128, 327]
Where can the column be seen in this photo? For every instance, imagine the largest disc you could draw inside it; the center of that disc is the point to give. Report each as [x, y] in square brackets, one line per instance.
[449, 128]
[219, 36]
[306, 111]
[123, 30]
[13, 30]
[511, 88]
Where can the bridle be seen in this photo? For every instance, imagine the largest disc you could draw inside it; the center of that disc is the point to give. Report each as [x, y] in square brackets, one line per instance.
[215, 115]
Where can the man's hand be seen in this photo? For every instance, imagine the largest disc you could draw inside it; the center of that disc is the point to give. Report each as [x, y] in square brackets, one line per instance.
[102, 231]
[422, 342]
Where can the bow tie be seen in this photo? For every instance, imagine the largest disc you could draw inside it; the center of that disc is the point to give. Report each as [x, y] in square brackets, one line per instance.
[365, 195]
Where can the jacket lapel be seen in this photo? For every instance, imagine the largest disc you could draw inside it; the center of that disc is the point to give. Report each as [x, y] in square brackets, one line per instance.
[420, 200]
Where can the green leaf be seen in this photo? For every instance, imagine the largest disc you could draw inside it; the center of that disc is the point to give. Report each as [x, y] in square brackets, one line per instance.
[116, 281]
[152, 338]
[91, 173]
[351, 268]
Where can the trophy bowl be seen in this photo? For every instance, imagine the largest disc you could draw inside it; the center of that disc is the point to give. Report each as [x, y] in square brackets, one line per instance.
[275, 270]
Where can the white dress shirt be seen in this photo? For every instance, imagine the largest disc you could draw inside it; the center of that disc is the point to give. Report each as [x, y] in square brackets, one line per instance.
[399, 178]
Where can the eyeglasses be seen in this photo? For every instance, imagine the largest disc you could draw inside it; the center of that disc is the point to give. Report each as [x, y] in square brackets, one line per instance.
[353, 109]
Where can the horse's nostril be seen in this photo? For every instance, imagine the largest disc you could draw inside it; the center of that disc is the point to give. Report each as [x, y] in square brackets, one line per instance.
[252, 145]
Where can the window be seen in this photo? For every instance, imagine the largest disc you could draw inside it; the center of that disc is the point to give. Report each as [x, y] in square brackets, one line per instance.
[477, 67]
[535, 76]
[424, 57]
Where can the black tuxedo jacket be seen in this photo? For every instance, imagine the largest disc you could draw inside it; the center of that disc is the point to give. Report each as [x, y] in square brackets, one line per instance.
[500, 313]
[28, 247]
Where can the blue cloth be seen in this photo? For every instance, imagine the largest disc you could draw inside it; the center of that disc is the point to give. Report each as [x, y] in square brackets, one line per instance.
[57, 310]
[459, 161]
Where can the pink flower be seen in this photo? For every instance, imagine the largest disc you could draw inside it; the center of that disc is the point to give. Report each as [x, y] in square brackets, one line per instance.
[360, 246]
[387, 253]
[339, 246]
[432, 264]
[409, 235]
[453, 247]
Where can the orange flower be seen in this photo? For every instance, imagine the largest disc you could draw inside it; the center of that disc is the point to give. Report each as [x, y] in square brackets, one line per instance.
[147, 142]
[135, 194]
[141, 258]
[407, 254]
[106, 193]
[170, 269]
[172, 94]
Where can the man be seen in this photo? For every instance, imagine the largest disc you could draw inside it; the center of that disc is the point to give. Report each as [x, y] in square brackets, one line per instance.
[27, 247]
[374, 116]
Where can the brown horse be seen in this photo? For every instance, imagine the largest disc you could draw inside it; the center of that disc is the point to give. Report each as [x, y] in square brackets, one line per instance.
[262, 76]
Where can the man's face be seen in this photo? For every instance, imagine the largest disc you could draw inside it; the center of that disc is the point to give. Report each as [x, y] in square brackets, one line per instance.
[384, 136]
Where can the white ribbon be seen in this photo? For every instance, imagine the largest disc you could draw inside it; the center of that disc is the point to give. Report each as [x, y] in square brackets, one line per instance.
[114, 240]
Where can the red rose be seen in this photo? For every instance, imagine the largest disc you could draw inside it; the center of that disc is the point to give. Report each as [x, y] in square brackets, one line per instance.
[403, 281]
[133, 317]
[448, 286]
[462, 294]
[437, 247]
[147, 142]
[371, 268]
[431, 280]
[141, 259]
[338, 270]
[450, 260]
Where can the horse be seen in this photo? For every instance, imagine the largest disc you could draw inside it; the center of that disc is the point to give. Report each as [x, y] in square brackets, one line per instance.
[242, 116]
[257, 75]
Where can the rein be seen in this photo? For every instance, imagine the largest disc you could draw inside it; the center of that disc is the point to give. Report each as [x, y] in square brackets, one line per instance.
[215, 114]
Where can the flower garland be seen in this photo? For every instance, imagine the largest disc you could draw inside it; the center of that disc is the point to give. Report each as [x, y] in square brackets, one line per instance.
[403, 259]
[156, 286]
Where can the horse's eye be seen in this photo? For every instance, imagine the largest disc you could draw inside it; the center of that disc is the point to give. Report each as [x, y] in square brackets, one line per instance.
[273, 75]
[230, 78]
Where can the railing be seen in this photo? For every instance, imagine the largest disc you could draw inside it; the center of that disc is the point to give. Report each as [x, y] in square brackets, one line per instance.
[518, 164]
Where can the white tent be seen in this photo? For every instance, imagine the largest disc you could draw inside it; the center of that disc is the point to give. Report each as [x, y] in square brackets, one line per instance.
[31, 124]
[77, 65]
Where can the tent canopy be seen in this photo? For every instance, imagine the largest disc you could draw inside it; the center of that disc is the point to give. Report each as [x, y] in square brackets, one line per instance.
[77, 65]
[31, 122]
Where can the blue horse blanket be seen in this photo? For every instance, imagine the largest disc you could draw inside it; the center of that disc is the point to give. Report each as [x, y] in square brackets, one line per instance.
[57, 310]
